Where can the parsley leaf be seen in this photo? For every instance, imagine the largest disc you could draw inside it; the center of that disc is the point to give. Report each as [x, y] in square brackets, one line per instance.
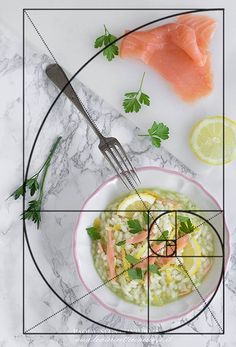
[132, 260]
[93, 233]
[157, 132]
[134, 100]
[33, 185]
[154, 269]
[144, 99]
[121, 243]
[135, 274]
[186, 227]
[134, 226]
[105, 40]
[163, 236]
[183, 218]
[156, 142]
[33, 212]
[18, 192]
[131, 105]
[99, 42]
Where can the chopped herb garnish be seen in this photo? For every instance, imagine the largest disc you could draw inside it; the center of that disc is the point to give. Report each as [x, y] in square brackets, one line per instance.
[157, 132]
[121, 243]
[103, 41]
[186, 227]
[183, 218]
[163, 236]
[134, 100]
[93, 233]
[132, 260]
[134, 226]
[154, 269]
[135, 274]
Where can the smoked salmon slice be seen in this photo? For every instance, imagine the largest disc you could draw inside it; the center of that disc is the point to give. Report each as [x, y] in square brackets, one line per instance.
[178, 52]
[137, 238]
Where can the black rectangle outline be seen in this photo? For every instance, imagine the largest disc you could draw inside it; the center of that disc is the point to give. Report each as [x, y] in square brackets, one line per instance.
[23, 161]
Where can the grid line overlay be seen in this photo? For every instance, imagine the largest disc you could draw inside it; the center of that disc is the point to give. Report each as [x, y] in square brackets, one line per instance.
[55, 211]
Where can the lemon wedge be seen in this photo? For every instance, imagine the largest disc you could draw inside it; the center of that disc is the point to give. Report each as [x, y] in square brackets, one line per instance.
[206, 140]
[135, 202]
[191, 264]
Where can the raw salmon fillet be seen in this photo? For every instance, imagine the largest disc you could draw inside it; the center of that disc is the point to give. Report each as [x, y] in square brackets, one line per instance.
[179, 52]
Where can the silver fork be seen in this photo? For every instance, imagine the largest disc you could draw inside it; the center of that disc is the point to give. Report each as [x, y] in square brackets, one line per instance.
[110, 147]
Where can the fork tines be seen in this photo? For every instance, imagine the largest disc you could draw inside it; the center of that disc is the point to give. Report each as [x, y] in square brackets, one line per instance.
[118, 159]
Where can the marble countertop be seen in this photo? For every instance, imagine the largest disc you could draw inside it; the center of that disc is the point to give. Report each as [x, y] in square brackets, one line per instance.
[77, 169]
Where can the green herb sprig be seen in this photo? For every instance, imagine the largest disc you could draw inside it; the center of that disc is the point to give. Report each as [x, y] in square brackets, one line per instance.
[134, 226]
[132, 260]
[121, 243]
[157, 132]
[186, 227]
[35, 184]
[163, 236]
[104, 40]
[135, 273]
[183, 218]
[134, 100]
[154, 269]
[93, 233]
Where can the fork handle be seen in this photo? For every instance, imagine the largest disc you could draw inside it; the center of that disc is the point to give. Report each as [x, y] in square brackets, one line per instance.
[59, 78]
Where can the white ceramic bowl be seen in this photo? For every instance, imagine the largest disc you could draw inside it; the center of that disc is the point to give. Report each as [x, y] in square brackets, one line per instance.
[150, 177]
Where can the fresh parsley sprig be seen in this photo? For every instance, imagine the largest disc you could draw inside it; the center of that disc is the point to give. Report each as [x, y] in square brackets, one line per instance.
[134, 100]
[105, 40]
[35, 184]
[93, 233]
[163, 236]
[186, 226]
[157, 132]
[135, 273]
[154, 269]
[132, 260]
[134, 226]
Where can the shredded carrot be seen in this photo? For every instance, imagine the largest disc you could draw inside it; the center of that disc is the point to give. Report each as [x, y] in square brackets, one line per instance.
[137, 238]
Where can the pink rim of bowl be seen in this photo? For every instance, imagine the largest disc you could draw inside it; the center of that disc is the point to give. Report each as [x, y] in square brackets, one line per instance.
[113, 178]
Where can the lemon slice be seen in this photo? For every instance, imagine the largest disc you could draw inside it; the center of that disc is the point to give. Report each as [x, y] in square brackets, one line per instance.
[206, 140]
[191, 264]
[134, 202]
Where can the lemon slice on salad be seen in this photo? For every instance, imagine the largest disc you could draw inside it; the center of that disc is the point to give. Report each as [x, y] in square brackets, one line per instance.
[135, 202]
[190, 263]
[206, 140]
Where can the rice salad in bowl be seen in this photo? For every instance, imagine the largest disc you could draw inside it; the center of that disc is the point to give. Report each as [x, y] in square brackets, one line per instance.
[129, 259]
[120, 247]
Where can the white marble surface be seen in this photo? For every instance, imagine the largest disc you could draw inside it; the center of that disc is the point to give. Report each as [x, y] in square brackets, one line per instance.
[77, 169]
